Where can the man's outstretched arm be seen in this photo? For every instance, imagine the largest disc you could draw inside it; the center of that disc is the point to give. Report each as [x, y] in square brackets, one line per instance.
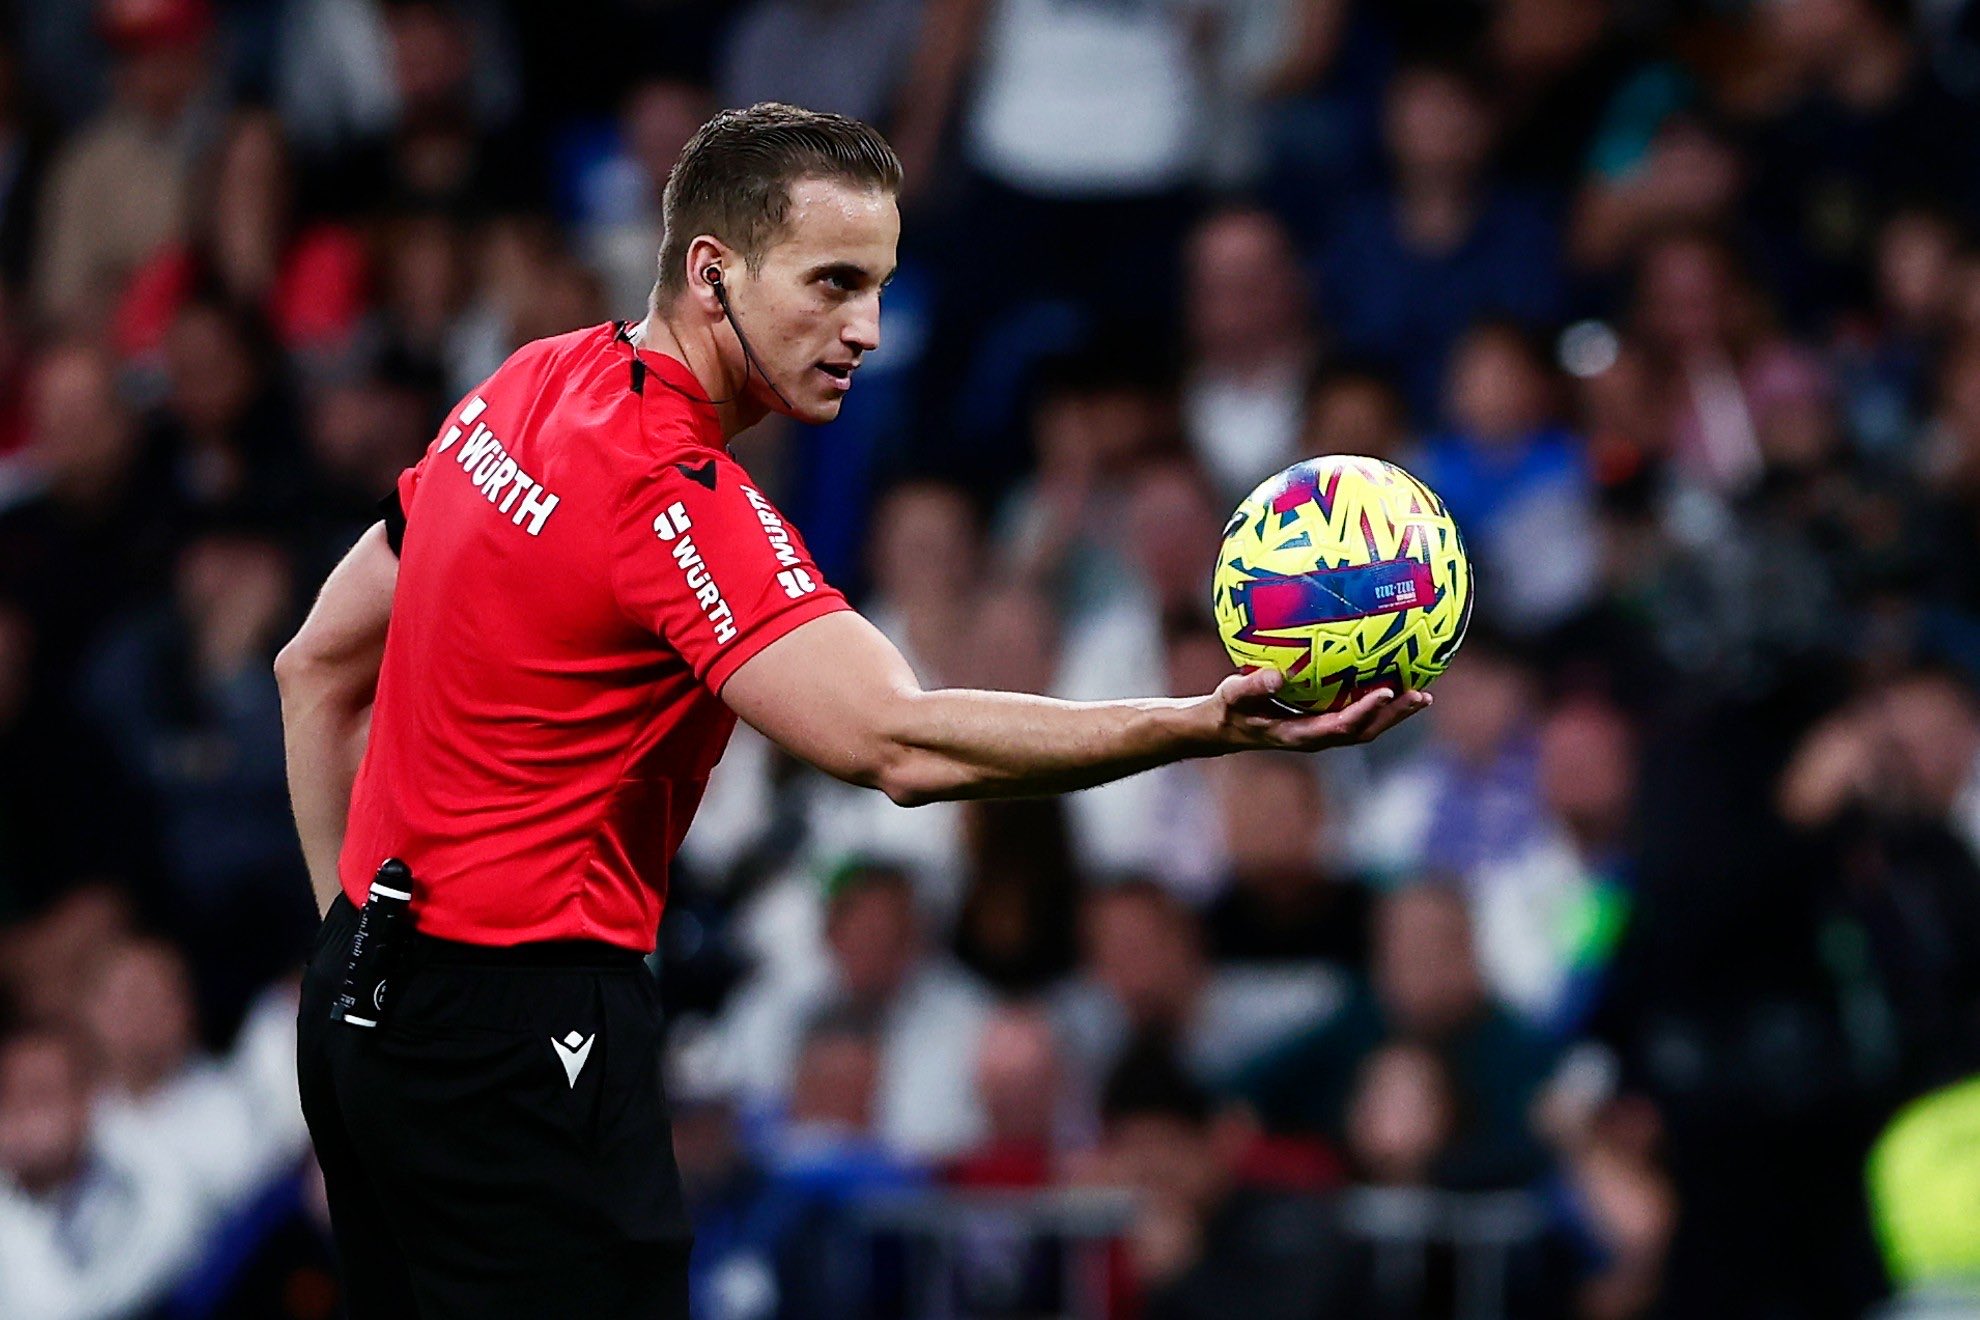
[836, 693]
[329, 674]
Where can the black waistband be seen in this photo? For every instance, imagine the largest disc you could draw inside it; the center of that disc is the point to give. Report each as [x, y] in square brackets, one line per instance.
[587, 954]
[433, 951]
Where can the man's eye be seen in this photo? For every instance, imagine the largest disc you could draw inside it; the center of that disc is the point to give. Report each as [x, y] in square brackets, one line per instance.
[843, 283]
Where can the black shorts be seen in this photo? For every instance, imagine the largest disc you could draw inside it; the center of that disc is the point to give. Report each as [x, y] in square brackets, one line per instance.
[499, 1146]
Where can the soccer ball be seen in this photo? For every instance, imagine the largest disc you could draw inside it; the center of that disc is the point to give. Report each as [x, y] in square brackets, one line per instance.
[1343, 573]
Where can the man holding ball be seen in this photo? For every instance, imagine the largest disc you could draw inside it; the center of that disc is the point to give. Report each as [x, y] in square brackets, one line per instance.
[584, 592]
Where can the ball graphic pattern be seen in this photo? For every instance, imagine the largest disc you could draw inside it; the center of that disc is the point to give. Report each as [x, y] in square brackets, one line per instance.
[1342, 572]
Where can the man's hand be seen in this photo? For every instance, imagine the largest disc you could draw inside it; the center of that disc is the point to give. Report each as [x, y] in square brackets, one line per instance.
[1242, 715]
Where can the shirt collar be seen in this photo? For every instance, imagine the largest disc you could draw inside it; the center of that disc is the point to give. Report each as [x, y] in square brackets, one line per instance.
[675, 382]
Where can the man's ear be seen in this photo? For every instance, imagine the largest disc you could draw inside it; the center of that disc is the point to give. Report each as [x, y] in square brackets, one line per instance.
[710, 262]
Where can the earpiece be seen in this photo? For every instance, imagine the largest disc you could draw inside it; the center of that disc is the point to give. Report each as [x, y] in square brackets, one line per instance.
[711, 275]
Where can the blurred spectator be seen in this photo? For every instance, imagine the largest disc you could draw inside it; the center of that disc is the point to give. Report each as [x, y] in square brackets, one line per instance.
[1659, 165]
[1355, 409]
[1887, 788]
[1414, 1250]
[1467, 793]
[925, 567]
[272, 1260]
[185, 695]
[440, 135]
[1074, 119]
[1252, 349]
[1514, 478]
[1870, 125]
[1425, 988]
[1144, 973]
[1021, 1085]
[743, 1220]
[924, 1015]
[347, 71]
[1614, 1190]
[1555, 65]
[1202, 1244]
[118, 189]
[846, 58]
[1069, 119]
[825, 1154]
[1549, 917]
[1097, 418]
[1015, 927]
[827, 1143]
[620, 195]
[93, 524]
[1885, 357]
[225, 429]
[89, 1228]
[1282, 903]
[520, 286]
[247, 247]
[1442, 245]
[157, 1091]
[364, 423]
[1402, 1116]
[1709, 333]
[48, 963]
[1908, 750]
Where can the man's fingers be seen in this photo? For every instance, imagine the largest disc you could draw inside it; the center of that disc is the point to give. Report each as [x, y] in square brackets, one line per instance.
[1408, 704]
[1343, 725]
[1252, 691]
[1364, 710]
[1371, 715]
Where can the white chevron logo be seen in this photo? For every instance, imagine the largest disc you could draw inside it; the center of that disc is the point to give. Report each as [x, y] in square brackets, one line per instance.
[572, 1051]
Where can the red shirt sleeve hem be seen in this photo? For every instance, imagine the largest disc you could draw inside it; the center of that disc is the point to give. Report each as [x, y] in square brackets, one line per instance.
[765, 631]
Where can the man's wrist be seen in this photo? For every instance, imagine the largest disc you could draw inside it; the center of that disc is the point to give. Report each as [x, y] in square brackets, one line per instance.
[1187, 728]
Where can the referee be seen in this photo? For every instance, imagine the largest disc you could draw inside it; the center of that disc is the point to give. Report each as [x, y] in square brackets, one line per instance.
[584, 592]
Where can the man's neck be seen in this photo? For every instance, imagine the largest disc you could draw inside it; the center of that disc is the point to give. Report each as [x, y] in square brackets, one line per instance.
[735, 410]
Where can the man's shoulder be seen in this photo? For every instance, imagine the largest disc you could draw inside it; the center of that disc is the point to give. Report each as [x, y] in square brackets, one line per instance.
[557, 352]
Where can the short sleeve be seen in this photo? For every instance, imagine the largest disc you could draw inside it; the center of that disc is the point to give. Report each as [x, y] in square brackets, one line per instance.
[705, 561]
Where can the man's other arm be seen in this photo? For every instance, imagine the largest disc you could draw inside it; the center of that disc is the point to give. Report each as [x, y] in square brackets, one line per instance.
[836, 693]
[328, 675]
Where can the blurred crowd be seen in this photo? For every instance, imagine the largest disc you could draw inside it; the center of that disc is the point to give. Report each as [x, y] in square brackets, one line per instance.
[1587, 995]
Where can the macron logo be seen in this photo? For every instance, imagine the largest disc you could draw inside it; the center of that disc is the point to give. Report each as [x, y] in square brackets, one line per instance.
[572, 1051]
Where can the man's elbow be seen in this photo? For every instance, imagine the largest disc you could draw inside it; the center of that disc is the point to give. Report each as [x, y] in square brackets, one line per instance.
[306, 665]
[292, 664]
[908, 773]
[907, 788]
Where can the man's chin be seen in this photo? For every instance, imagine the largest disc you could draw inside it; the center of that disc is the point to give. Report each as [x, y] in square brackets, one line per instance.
[817, 412]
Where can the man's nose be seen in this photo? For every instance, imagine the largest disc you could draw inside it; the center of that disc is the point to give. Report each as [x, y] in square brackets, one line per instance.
[863, 330]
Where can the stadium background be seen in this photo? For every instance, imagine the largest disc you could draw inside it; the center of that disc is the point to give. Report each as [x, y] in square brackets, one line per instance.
[1587, 995]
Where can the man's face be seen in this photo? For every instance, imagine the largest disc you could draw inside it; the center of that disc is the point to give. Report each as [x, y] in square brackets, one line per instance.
[811, 310]
[44, 1113]
[1425, 972]
[873, 939]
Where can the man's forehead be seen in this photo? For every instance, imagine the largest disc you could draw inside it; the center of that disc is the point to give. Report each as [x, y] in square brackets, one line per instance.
[833, 220]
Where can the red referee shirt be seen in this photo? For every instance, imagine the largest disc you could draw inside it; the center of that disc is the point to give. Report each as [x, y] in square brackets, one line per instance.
[583, 567]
